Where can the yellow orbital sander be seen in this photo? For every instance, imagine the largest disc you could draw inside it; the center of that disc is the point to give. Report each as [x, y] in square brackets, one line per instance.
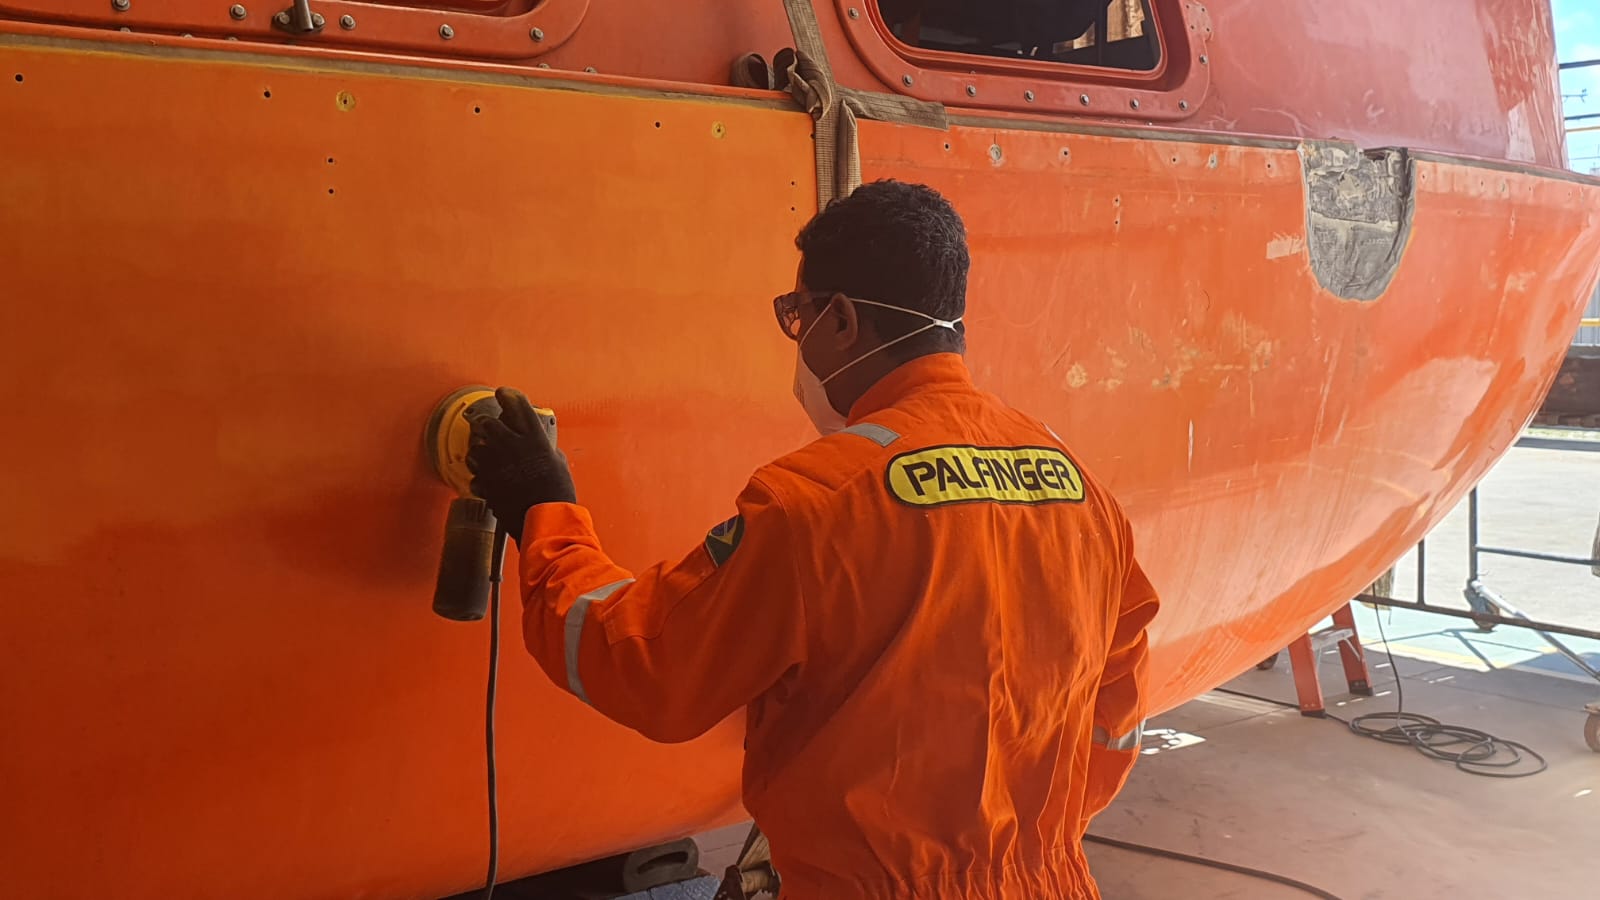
[467, 563]
[474, 551]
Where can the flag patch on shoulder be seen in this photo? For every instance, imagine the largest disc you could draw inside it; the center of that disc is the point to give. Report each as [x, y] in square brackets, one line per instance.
[722, 540]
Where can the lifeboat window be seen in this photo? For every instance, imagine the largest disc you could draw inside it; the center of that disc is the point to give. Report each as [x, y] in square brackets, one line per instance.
[1061, 31]
[1144, 60]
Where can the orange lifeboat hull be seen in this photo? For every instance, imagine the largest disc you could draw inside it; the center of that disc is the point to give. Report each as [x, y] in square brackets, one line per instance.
[234, 289]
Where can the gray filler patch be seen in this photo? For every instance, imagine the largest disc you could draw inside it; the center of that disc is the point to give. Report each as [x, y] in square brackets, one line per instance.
[1358, 216]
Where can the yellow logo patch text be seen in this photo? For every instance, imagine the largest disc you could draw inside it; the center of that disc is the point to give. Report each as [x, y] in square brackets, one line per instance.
[941, 475]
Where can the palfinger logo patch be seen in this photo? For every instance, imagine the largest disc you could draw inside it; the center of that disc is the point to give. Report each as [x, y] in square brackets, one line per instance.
[941, 475]
[724, 539]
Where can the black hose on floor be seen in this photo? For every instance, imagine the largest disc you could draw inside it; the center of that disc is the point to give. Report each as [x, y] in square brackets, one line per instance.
[1469, 749]
[1273, 877]
[1472, 751]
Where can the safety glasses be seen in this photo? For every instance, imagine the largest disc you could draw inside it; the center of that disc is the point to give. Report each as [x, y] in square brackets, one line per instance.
[787, 308]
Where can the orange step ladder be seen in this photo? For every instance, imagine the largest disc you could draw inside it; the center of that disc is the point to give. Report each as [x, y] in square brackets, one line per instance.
[1303, 655]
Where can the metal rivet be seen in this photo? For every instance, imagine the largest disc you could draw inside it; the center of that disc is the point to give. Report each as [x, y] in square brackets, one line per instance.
[121, 5]
[906, 80]
[238, 11]
[317, 20]
[348, 23]
[536, 33]
[1204, 60]
[1183, 105]
[446, 32]
[855, 13]
[1028, 96]
[1084, 99]
[1134, 103]
[281, 18]
[972, 90]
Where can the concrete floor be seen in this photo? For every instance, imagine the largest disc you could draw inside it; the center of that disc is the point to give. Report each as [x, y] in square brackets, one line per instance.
[1252, 783]
[1255, 784]
[1260, 785]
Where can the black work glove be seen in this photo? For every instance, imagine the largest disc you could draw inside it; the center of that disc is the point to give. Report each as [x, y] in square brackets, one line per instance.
[514, 466]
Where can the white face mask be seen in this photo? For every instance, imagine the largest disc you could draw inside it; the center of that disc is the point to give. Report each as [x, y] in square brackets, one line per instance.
[809, 389]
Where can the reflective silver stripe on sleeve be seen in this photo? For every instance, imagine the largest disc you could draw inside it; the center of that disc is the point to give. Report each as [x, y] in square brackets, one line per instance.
[877, 434]
[1129, 741]
[576, 616]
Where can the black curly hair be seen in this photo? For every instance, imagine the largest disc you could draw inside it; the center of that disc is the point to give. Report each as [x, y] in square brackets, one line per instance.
[895, 243]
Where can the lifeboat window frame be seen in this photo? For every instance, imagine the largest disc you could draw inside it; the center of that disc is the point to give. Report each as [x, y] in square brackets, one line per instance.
[373, 24]
[1172, 91]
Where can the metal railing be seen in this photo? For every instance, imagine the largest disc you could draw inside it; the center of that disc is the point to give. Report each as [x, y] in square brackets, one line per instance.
[1486, 607]
[1488, 610]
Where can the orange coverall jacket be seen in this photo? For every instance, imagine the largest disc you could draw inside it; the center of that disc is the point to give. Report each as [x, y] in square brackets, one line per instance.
[934, 621]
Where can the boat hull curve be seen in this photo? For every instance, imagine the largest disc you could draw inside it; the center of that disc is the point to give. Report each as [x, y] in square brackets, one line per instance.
[229, 313]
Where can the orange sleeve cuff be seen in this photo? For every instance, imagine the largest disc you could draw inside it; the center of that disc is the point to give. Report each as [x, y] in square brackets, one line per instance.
[547, 520]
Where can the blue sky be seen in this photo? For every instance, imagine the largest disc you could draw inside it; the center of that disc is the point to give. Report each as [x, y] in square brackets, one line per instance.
[1578, 37]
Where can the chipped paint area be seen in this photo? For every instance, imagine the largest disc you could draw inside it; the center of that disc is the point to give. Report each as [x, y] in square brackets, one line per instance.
[1077, 376]
[1283, 245]
[1242, 347]
[1519, 135]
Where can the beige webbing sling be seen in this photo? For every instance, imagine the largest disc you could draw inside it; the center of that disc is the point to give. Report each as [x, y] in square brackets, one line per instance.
[805, 73]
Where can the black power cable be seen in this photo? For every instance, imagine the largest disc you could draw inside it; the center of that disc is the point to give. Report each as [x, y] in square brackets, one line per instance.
[1469, 749]
[1311, 889]
[1472, 751]
[496, 573]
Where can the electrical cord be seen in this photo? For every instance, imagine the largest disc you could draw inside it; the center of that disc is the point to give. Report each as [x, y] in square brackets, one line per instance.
[496, 573]
[1275, 878]
[1470, 750]
[1249, 696]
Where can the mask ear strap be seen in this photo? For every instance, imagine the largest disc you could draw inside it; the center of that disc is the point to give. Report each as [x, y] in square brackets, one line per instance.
[935, 323]
[815, 322]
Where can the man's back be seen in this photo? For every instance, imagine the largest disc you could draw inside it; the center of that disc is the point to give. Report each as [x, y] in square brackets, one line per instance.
[933, 619]
[962, 582]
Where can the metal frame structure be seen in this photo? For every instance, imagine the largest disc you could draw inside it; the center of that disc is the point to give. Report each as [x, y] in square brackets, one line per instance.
[1487, 609]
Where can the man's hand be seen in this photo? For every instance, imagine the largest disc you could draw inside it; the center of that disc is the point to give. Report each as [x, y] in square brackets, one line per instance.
[514, 467]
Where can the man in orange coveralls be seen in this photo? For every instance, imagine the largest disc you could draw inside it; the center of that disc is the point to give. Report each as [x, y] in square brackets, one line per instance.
[932, 615]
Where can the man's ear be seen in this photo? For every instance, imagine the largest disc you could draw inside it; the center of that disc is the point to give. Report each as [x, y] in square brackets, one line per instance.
[844, 320]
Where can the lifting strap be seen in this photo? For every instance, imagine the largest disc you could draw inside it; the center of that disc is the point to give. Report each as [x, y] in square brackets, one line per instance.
[805, 73]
